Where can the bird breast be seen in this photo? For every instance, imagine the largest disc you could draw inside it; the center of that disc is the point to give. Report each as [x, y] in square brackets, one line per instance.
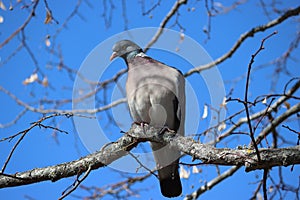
[150, 97]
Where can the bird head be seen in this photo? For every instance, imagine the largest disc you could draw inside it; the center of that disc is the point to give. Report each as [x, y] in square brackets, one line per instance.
[125, 49]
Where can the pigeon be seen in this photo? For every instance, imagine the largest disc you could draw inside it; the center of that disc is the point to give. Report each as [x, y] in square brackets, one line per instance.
[156, 96]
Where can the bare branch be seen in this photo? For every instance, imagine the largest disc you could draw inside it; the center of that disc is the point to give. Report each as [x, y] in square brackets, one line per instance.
[14, 121]
[22, 27]
[251, 131]
[162, 25]
[209, 185]
[243, 37]
[74, 111]
[206, 153]
[114, 188]
[24, 133]
[76, 184]
[265, 177]
[291, 111]
[151, 9]
[269, 109]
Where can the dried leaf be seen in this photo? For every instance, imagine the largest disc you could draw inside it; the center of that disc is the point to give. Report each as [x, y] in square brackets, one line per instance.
[31, 79]
[2, 6]
[223, 104]
[205, 112]
[47, 42]
[259, 196]
[45, 82]
[196, 170]
[10, 6]
[271, 188]
[48, 17]
[182, 36]
[184, 173]
[265, 100]
[287, 105]
[222, 126]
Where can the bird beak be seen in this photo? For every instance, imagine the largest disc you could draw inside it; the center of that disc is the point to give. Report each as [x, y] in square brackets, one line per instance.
[113, 55]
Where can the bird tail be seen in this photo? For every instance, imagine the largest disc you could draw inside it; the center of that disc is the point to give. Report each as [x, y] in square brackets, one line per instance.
[170, 185]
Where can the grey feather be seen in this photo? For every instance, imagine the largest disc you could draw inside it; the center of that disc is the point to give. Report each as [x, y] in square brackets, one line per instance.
[156, 95]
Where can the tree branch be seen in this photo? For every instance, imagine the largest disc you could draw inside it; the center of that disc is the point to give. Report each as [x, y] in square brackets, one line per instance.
[61, 111]
[22, 27]
[273, 108]
[162, 25]
[109, 153]
[243, 37]
[209, 185]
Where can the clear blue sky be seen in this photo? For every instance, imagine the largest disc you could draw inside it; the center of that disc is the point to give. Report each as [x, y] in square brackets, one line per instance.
[83, 33]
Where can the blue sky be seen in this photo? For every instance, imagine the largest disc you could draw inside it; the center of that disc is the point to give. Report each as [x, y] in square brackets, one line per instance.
[86, 33]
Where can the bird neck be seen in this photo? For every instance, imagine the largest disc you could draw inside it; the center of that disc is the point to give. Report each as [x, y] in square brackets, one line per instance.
[131, 55]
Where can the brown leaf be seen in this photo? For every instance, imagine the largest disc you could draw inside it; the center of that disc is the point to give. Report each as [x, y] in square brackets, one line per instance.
[265, 100]
[47, 42]
[222, 126]
[196, 170]
[45, 82]
[10, 7]
[31, 79]
[185, 174]
[287, 105]
[2, 6]
[48, 17]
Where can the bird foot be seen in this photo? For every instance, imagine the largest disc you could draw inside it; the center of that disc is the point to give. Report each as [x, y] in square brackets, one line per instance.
[142, 124]
[164, 129]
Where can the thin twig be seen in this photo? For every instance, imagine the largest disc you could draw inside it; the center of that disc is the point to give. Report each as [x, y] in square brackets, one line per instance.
[162, 25]
[251, 131]
[243, 37]
[232, 170]
[22, 27]
[209, 185]
[142, 165]
[24, 133]
[258, 114]
[60, 111]
[290, 129]
[76, 184]
[265, 177]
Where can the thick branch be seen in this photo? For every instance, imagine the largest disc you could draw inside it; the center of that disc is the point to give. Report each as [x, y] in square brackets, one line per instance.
[96, 160]
[113, 151]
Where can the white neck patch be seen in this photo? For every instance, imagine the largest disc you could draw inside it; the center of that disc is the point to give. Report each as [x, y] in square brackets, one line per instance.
[142, 54]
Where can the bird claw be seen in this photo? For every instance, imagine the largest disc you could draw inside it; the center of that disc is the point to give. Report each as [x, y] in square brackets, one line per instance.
[142, 124]
[164, 129]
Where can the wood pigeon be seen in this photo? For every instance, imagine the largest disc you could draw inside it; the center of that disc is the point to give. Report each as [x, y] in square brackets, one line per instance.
[156, 96]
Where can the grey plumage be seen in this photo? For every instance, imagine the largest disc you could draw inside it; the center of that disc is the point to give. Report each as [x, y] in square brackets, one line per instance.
[155, 95]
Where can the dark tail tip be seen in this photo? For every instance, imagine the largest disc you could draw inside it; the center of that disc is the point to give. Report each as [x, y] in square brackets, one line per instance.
[171, 187]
